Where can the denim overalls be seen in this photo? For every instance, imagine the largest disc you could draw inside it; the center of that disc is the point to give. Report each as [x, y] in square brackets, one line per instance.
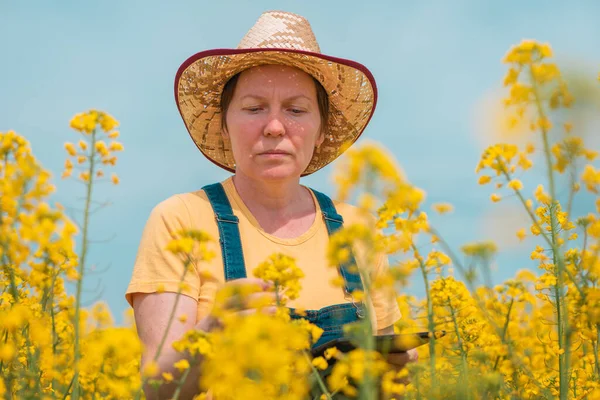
[331, 318]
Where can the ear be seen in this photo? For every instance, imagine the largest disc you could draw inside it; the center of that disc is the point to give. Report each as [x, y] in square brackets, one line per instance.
[320, 138]
[224, 132]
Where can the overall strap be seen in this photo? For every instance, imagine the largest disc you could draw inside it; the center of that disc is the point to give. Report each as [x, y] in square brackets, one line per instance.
[229, 233]
[334, 222]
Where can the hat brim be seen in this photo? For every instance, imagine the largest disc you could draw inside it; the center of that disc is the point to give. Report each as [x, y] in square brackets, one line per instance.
[200, 80]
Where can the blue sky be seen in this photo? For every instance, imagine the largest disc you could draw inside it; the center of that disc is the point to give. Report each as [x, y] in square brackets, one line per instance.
[437, 65]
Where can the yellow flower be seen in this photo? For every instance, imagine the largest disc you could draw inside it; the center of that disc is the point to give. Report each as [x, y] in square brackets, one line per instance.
[107, 122]
[320, 363]
[182, 364]
[83, 145]
[115, 146]
[511, 76]
[515, 184]
[182, 318]
[541, 196]
[524, 162]
[529, 203]
[521, 234]
[331, 352]
[530, 148]
[591, 178]
[101, 148]
[358, 295]
[115, 179]
[84, 176]
[338, 281]
[528, 51]
[167, 376]
[182, 245]
[495, 198]
[443, 208]
[7, 352]
[70, 147]
[480, 249]
[113, 135]
[150, 369]
[568, 127]
[484, 179]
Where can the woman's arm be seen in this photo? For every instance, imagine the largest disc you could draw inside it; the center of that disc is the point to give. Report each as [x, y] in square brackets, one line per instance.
[152, 313]
[398, 360]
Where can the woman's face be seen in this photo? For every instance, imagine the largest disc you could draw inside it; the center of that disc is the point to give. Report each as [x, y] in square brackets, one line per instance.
[273, 122]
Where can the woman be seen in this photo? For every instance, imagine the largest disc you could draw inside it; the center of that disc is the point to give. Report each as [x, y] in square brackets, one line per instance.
[270, 111]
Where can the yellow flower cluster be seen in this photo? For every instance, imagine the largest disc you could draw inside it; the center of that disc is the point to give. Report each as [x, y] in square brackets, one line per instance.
[529, 78]
[569, 150]
[534, 336]
[96, 152]
[368, 162]
[260, 356]
[503, 160]
[284, 274]
[353, 369]
[191, 246]
[37, 318]
[591, 178]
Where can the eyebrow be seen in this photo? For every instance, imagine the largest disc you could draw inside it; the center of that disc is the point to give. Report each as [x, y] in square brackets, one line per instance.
[255, 96]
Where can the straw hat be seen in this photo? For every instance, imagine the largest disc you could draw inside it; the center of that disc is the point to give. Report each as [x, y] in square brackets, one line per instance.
[276, 38]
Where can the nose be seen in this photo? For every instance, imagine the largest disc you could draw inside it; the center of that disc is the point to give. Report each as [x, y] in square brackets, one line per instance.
[274, 127]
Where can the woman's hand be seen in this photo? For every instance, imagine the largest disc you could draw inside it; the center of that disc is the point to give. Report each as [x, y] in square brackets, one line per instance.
[399, 360]
[240, 297]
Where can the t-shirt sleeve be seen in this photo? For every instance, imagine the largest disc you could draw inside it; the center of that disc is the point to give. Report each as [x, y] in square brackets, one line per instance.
[384, 298]
[157, 269]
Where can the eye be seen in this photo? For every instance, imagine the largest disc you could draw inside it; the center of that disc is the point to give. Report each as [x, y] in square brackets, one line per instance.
[253, 110]
[296, 111]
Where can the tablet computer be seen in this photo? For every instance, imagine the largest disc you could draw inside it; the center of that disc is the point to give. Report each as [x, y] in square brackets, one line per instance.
[384, 344]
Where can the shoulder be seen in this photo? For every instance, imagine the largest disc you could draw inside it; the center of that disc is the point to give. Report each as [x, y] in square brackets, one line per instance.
[184, 208]
[353, 214]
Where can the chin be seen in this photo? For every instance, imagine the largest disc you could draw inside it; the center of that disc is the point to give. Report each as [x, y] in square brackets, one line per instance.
[278, 173]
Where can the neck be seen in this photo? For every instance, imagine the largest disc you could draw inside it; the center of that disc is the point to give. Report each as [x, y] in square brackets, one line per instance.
[281, 197]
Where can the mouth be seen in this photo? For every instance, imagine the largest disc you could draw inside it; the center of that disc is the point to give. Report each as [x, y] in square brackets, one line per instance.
[274, 152]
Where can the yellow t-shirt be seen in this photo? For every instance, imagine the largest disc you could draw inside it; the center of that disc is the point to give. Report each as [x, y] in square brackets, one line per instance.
[157, 269]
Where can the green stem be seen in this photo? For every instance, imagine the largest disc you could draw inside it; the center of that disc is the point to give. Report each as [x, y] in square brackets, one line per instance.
[463, 354]
[572, 177]
[172, 315]
[369, 387]
[430, 322]
[562, 312]
[277, 295]
[524, 202]
[52, 317]
[180, 384]
[595, 344]
[169, 323]
[81, 269]
[317, 376]
[504, 330]
[69, 388]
